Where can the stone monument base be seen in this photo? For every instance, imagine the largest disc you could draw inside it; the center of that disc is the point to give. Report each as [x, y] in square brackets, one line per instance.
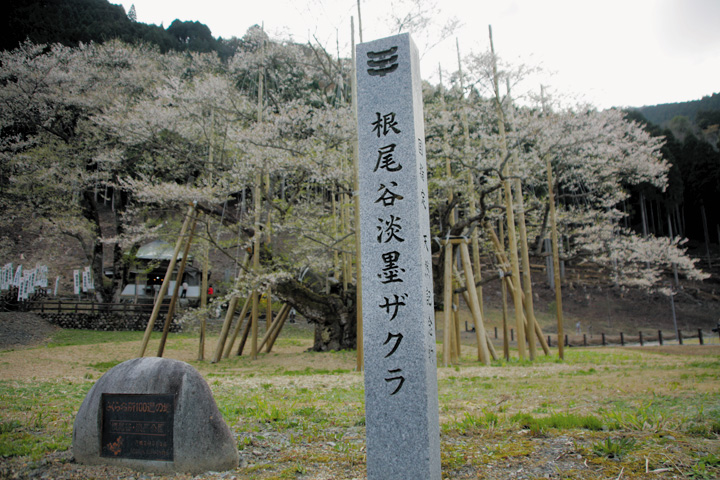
[153, 414]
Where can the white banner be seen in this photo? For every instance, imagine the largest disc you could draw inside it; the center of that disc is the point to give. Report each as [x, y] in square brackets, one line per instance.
[6, 277]
[90, 281]
[42, 280]
[18, 276]
[24, 288]
[31, 279]
[76, 282]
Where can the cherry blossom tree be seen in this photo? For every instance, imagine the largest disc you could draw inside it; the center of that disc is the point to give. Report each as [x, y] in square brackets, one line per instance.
[272, 127]
[597, 158]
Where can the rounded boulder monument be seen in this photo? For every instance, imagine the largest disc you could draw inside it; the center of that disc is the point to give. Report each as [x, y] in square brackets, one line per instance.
[153, 414]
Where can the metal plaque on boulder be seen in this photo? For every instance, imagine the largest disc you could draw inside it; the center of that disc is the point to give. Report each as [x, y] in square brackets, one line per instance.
[137, 426]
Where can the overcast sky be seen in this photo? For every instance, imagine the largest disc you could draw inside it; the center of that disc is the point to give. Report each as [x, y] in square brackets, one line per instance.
[606, 52]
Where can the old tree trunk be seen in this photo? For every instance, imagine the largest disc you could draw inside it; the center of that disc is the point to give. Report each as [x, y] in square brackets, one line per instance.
[333, 314]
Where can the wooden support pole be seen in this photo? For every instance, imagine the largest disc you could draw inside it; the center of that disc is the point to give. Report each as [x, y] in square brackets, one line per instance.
[526, 277]
[271, 328]
[256, 267]
[457, 345]
[246, 331]
[203, 302]
[270, 316]
[480, 334]
[236, 331]
[356, 181]
[256, 244]
[490, 345]
[506, 333]
[508, 284]
[509, 212]
[276, 333]
[166, 282]
[455, 348]
[336, 233]
[176, 290]
[268, 308]
[204, 286]
[225, 329]
[347, 269]
[541, 338]
[556, 257]
[472, 200]
[524, 251]
[491, 348]
[447, 303]
[206, 256]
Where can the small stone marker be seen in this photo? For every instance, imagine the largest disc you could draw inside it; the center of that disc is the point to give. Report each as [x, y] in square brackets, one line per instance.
[153, 414]
[401, 397]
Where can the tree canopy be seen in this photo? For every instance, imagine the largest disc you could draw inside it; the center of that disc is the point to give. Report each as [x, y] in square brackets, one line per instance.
[273, 126]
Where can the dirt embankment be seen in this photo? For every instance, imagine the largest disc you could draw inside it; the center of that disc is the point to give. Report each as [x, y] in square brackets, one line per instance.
[19, 329]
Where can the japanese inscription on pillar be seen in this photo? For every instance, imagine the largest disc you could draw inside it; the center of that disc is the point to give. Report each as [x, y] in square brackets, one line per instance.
[401, 400]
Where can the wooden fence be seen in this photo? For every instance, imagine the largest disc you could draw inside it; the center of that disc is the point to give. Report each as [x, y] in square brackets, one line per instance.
[640, 338]
[70, 306]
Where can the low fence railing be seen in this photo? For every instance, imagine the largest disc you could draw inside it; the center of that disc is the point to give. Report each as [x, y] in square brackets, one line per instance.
[69, 306]
[657, 337]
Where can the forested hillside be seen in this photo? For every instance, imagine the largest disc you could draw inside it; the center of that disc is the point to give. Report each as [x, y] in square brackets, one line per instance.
[71, 22]
[692, 146]
[697, 111]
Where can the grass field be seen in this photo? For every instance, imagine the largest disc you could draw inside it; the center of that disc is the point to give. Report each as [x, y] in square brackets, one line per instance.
[603, 413]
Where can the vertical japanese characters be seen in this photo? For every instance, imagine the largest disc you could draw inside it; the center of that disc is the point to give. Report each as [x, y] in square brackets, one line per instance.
[398, 311]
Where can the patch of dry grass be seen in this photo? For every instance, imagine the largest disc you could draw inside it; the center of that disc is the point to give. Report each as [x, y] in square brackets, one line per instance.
[298, 414]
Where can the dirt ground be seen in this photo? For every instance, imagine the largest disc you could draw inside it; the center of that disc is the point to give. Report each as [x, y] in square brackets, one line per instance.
[22, 330]
[551, 454]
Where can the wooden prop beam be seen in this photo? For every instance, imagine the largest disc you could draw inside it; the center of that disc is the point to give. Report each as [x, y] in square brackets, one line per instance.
[481, 335]
[466, 297]
[510, 285]
[256, 267]
[225, 329]
[447, 304]
[246, 331]
[456, 347]
[556, 260]
[236, 331]
[176, 290]
[273, 328]
[356, 183]
[166, 282]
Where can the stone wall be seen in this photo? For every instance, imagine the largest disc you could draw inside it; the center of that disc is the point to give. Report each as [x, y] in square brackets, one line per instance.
[108, 321]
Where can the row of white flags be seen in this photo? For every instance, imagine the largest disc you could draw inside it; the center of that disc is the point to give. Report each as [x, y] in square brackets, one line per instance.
[27, 280]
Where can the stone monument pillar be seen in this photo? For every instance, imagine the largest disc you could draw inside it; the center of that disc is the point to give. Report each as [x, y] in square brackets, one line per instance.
[401, 398]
